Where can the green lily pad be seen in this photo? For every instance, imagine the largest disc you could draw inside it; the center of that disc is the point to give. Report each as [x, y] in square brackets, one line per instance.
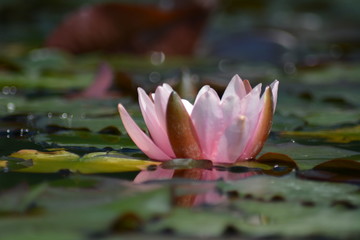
[307, 156]
[80, 212]
[339, 135]
[97, 162]
[86, 139]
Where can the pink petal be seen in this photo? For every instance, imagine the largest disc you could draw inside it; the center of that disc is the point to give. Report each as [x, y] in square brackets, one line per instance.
[233, 106]
[230, 143]
[274, 89]
[158, 174]
[188, 106]
[201, 91]
[240, 120]
[235, 88]
[161, 99]
[156, 130]
[101, 84]
[140, 138]
[250, 108]
[262, 129]
[207, 118]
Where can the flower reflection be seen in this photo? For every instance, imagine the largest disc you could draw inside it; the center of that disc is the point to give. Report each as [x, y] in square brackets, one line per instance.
[196, 186]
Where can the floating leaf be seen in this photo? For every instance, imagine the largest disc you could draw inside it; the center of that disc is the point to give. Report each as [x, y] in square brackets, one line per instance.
[267, 206]
[12, 163]
[110, 162]
[306, 156]
[340, 135]
[36, 155]
[81, 212]
[336, 170]
[97, 162]
[281, 164]
[86, 139]
[3, 164]
[332, 118]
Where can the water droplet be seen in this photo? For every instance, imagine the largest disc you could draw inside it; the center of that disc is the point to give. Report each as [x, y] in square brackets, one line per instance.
[50, 115]
[13, 90]
[155, 77]
[224, 65]
[64, 116]
[6, 90]
[157, 58]
[10, 107]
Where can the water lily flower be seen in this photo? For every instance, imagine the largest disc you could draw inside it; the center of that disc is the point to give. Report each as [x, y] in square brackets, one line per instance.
[224, 130]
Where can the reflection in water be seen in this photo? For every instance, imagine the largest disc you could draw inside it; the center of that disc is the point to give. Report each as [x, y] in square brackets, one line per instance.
[188, 191]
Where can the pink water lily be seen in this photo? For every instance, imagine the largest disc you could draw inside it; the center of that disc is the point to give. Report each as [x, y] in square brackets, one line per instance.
[224, 130]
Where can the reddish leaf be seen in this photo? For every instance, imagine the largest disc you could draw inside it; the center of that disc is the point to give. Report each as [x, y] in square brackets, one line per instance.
[282, 164]
[336, 170]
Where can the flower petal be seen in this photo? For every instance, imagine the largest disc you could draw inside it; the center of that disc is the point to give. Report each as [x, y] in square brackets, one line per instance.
[235, 88]
[247, 86]
[240, 118]
[157, 131]
[274, 89]
[180, 129]
[207, 118]
[201, 91]
[140, 138]
[188, 106]
[262, 129]
[161, 99]
[232, 141]
[159, 173]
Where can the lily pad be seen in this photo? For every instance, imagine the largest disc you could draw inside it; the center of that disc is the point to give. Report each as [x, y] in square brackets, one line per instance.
[86, 139]
[336, 170]
[97, 162]
[307, 156]
[339, 135]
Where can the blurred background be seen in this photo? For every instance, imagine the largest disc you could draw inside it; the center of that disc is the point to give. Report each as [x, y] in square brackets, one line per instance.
[150, 41]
